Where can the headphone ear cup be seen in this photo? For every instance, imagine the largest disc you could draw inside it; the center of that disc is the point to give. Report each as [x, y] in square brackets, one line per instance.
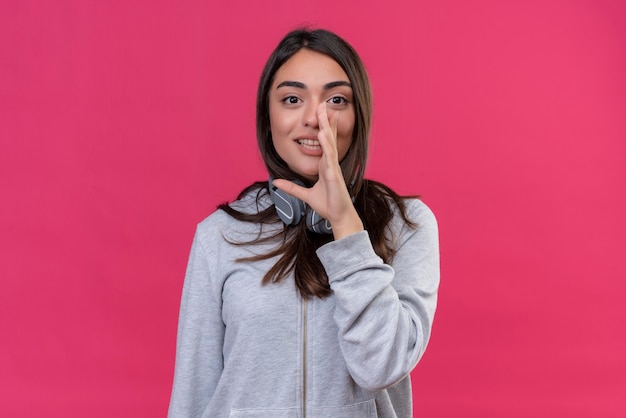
[290, 210]
[315, 223]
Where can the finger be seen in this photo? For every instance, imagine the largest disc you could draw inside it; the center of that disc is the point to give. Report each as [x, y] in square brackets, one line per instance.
[324, 121]
[335, 125]
[327, 135]
[292, 189]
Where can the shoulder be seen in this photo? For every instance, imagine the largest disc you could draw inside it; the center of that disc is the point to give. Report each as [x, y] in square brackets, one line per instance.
[424, 223]
[253, 199]
[210, 230]
[223, 224]
[420, 213]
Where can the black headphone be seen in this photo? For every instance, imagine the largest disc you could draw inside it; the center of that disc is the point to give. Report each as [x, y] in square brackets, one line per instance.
[291, 210]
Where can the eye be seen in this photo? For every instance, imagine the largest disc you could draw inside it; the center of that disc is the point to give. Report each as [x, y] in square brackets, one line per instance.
[291, 100]
[337, 100]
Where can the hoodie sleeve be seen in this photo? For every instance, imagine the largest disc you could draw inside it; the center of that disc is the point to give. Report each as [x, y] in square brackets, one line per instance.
[199, 361]
[385, 312]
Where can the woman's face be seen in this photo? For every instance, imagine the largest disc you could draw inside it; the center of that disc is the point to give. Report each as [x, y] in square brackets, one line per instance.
[304, 81]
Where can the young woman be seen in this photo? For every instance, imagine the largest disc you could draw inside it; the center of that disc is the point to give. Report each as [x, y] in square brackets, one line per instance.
[312, 294]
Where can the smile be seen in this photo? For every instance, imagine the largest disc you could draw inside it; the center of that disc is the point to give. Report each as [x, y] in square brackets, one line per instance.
[312, 144]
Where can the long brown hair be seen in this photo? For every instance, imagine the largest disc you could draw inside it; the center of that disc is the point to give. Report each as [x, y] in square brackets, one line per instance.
[373, 201]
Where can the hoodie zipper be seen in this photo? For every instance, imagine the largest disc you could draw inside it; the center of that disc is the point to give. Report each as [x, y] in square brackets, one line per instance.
[304, 335]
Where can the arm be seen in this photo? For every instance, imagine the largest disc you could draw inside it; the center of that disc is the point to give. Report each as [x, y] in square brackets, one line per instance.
[199, 361]
[384, 313]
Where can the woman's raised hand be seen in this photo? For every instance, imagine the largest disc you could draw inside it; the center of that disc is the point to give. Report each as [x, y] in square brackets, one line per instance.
[329, 197]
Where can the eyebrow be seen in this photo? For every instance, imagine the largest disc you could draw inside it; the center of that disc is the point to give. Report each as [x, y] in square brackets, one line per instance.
[327, 86]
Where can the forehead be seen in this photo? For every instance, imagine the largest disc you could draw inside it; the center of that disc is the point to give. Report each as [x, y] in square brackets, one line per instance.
[311, 68]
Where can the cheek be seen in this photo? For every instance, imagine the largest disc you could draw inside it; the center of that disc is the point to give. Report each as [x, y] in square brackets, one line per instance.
[345, 130]
[274, 121]
[280, 123]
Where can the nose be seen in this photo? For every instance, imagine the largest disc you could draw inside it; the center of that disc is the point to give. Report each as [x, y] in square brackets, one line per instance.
[310, 115]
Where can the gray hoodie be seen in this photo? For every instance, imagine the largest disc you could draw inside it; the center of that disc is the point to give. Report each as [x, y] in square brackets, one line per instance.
[247, 350]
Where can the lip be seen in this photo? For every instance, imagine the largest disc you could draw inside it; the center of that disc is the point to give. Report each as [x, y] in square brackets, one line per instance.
[308, 150]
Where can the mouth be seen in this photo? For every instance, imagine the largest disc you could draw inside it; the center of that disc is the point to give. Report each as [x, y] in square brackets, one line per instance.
[312, 144]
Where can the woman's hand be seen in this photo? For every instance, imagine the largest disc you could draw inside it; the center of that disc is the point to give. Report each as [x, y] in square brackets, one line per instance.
[329, 197]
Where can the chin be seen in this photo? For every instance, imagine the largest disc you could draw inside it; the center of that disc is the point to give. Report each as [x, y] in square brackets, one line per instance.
[309, 174]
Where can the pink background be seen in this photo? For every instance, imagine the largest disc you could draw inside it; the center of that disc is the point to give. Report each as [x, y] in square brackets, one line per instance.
[124, 123]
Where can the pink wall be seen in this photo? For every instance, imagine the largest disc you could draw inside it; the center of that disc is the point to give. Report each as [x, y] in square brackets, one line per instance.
[123, 124]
